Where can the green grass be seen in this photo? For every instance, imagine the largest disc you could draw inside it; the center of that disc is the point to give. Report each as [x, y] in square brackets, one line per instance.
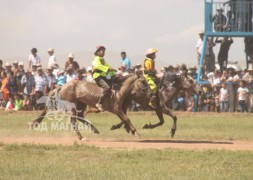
[190, 126]
[28, 161]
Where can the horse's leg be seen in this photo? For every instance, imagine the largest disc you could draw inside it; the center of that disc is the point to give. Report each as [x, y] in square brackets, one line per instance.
[74, 124]
[124, 108]
[168, 112]
[38, 119]
[128, 125]
[159, 113]
[81, 115]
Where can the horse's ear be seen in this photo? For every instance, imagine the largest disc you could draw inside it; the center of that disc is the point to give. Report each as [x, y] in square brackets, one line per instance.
[139, 74]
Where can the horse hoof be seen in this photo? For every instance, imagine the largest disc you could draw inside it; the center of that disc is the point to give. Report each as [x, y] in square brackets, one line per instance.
[146, 126]
[83, 139]
[136, 134]
[113, 127]
[173, 131]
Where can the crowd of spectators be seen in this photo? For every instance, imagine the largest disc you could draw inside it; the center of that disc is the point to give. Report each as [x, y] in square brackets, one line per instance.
[21, 87]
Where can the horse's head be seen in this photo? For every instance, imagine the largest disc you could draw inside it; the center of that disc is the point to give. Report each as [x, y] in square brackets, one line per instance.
[189, 84]
[141, 88]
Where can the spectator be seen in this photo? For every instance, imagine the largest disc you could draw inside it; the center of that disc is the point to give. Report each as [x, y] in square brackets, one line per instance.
[248, 41]
[28, 84]
[70, 74]
[4, 88]
[19, 74]
[71, 62]
[248, 75]
[122, 70]
[242, 94]
[189, 102]
[125, 60]
[34, 59]
[210, 62]
[89, 77]
[52, 59]
[26, 103]
[61, 80]
[18, 102]
[1, 66]
[8, 67]
[219, 20]
[12, 84]
[81, 75]
[51, 79]
[56, 69]
[223, 53]
[10, 105]
[223, 98]
[41, 84]
[15, 67]
[199, 48]
[231, 22]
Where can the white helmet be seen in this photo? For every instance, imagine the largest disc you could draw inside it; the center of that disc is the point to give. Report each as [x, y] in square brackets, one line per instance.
[71, 55]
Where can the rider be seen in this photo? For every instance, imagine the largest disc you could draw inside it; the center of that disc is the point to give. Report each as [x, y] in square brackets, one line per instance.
[150, 74]
[102, 74]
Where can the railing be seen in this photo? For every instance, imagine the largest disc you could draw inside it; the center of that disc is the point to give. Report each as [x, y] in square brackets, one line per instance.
[229, 18]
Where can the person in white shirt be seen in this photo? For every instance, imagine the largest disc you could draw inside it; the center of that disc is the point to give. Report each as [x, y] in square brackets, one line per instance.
[242, 94]
[199, 48]
[70, 74]
[34, 59]
[41, 83]
[52, 59]
[223, 98]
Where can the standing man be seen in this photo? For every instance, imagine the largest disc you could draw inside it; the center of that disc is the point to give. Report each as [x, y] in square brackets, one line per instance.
[52, 59]
[199, 48]
[28, 84]
[71, 62]
[125, 60]
[223, 54]
[41, 83]
[150, 74]
[33, 58]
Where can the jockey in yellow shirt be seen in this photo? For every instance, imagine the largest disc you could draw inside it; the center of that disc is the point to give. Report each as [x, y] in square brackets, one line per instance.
[150, 74]
[102, 74]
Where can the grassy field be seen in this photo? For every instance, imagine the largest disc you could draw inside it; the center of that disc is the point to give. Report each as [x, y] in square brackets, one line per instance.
[190, 126]
[31, 161]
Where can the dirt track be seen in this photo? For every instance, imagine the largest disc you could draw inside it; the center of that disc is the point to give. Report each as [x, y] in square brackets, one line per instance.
[137, 143]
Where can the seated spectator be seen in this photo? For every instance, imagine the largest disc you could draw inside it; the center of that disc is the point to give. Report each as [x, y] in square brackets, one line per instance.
[18, 102]
[189, 102]
[223, 98]
[219, 20]
[10, 105]
[61, 80]
[51, 79]
[242, 94]
[80, 75]
[70, 74]
[26, 103]
[89, 77]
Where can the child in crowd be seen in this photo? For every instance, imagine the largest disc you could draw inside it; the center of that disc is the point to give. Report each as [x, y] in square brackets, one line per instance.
[18, 103]
[10, 105]
[242, 94]
[61, 78]
[26, 103]
[223, 98]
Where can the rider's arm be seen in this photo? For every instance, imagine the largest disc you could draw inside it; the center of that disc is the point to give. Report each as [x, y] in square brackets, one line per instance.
[97, 65]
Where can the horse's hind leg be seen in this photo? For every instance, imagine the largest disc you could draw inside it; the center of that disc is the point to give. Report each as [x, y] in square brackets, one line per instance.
[38, 119]
[124, 108]
[74, 124]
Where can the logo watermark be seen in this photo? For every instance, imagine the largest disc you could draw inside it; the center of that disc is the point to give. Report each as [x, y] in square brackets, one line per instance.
[59, 114]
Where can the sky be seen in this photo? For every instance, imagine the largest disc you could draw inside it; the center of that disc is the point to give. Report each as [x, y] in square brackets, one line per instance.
[78, 26]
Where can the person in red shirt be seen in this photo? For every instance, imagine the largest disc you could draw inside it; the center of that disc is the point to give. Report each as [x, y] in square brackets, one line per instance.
[71, 62]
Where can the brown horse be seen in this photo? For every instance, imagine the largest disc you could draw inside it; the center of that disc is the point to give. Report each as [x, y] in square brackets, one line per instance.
[83, 93]
[170, 86]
